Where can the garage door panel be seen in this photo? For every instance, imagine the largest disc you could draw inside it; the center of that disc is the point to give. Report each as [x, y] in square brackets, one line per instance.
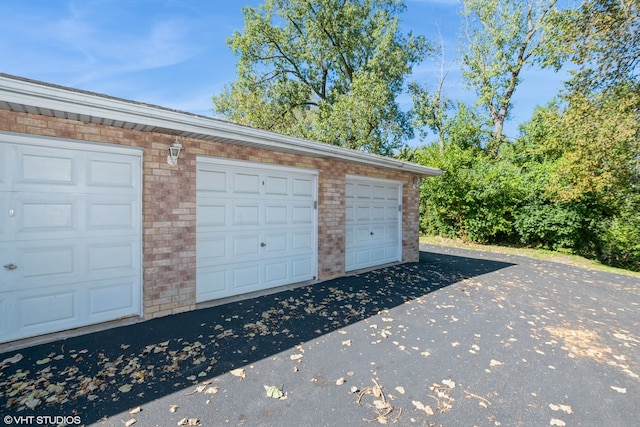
[277, 272]
[114, 258]
[302, 241]
[40, 310]
[276, 243]
[378, 213]
[47, 168]
[212, 282]
[302, 214]
[276, 185]
[246, 214]
[363, 213]
[211, 213]
[276, 214]
[246, 277]
[245, 245]
[246, 183]
[211, 181]
[114, 297]
[44, 262]
[112, 174]
[363, 191]
[303, 187]
[39, 215]
[302, 268]
[114, 215]
[212, 249]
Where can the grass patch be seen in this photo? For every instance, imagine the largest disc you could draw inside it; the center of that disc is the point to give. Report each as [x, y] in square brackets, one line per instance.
[541, 254]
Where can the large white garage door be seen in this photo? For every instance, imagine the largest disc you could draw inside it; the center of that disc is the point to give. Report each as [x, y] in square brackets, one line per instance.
[69, 234]
[256, 227]
[373, 222]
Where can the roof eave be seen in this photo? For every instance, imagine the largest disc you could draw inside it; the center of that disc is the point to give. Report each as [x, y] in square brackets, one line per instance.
[64, 101]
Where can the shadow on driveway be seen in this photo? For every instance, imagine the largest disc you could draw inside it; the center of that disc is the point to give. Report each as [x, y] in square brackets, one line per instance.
[101, 374]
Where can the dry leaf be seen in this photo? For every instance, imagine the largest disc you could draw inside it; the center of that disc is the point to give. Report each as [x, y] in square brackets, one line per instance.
[400, 389]
[347, 343]
[135, 410]
[340, 381]
[419, 405]
[125, 388]
[211, 390]
[449, 383]
[173, 408]
[295, 357]
[189, 422]
[619, 390]
[239, 373]
[14, 359]
[495, 363]
[557, 422]
[425, 354]
[131, 422]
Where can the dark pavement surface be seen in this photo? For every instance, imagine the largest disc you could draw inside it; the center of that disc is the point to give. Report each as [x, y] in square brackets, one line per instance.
[462, 338]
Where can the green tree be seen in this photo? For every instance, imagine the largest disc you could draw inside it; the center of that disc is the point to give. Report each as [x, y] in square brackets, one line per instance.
[502, 37]
[328, 70]
[601, 38]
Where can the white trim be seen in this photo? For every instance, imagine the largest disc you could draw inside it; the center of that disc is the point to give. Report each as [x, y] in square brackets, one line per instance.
[69, 144]
[223, 161]
[372, 179]
[91, 106]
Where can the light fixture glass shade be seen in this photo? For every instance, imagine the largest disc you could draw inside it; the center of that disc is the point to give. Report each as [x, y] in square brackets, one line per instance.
[174, 153]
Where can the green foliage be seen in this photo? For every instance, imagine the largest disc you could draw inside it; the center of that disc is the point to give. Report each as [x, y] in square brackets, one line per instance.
[601, 38]
[620, 238]
[328, 70]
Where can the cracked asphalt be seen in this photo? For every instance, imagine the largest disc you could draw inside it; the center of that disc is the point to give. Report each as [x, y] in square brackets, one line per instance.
[461, 338]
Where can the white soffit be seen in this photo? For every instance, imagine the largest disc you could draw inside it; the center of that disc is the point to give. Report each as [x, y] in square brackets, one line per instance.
[24, 95]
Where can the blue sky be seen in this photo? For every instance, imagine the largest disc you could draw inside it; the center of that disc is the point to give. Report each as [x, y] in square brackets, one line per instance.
[173, 53]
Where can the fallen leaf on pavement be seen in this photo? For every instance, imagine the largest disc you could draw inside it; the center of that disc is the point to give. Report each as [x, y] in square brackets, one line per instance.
[14, 359]
[340, 381]
[619, 389]
[557, 422]
[563, 408]
[135, 410]
[125, 388]
[189, 422]
[131, 422]
[274, 391]
[173, 408]
[239, 373]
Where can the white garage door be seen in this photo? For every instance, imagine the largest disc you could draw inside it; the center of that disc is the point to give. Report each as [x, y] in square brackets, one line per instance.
[373, 222]
[69, 235]
[256, 227]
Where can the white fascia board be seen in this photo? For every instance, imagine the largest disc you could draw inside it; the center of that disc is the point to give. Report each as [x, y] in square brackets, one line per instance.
[93, 105]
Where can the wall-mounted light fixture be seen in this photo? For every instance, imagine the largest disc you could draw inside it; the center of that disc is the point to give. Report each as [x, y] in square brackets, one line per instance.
[174, 153]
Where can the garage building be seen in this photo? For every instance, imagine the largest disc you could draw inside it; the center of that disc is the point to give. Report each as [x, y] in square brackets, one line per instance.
[100, 224]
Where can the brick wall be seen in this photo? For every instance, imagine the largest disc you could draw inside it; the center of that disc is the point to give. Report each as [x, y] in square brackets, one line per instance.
[169, 203]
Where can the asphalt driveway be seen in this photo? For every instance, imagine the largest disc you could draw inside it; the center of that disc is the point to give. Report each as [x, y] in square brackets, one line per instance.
[462, 338]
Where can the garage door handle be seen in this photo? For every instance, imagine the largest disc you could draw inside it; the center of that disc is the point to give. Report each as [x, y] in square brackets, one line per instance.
[11, 266]
[263, 244]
